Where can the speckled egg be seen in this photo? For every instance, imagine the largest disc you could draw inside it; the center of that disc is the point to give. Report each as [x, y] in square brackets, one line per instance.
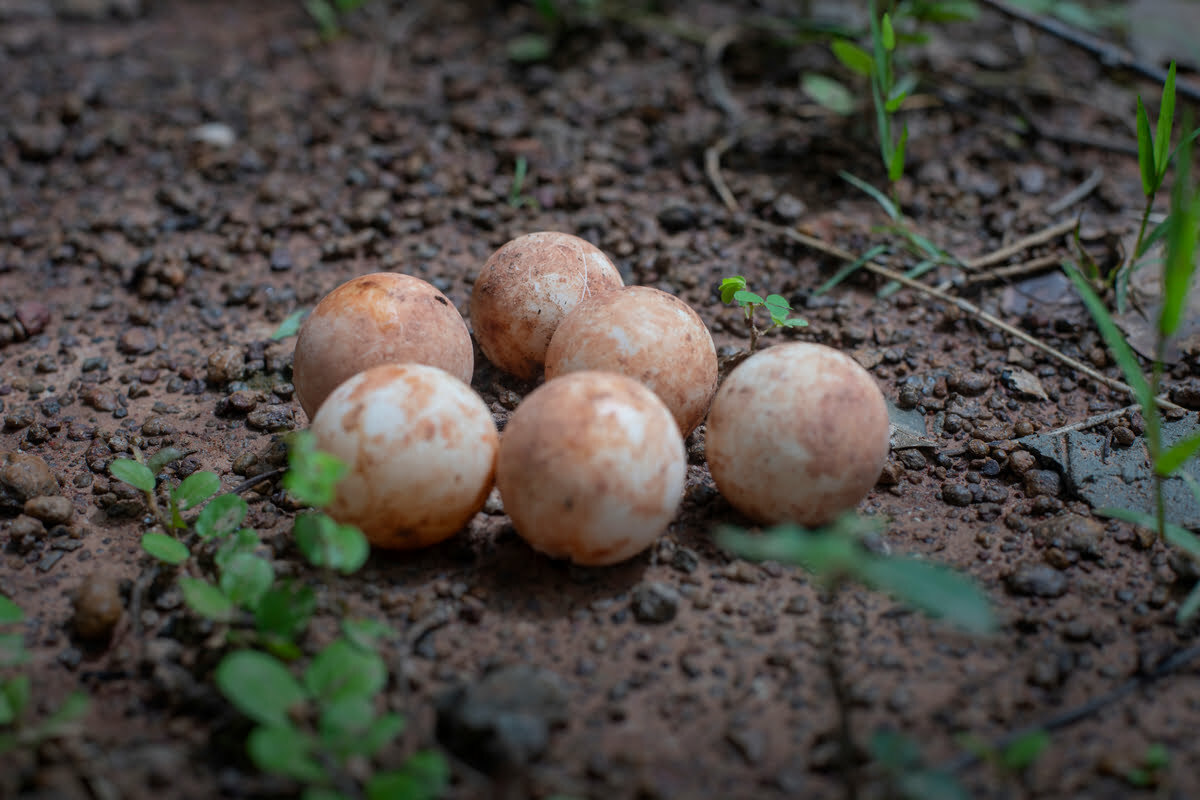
[797, 433]
[591, 468]
[421, 448]
[524, 291]
[381, 318]
[645, 334]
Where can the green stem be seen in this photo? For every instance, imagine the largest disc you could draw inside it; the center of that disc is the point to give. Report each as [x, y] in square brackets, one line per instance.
[1137, 248]
[841, 692]
[1154, 439]
[754, 331]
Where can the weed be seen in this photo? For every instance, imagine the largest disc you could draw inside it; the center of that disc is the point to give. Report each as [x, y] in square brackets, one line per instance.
[907, 774]
[733, 290]
[1149, 772]
[516, 196]
[1181, 230]
[328, 14]
[16, 692]
[837, 556]
[1010, 761]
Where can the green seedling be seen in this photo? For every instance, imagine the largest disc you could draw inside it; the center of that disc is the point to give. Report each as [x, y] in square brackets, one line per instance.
[733, 290]
[1010, 761]
[310, 729]
[1150, 772]
[908, 776]
[516, 196]
[328, 14]
[290, 325]
[16, 692]
[1178, 266]
[311, 478]
[836, 556]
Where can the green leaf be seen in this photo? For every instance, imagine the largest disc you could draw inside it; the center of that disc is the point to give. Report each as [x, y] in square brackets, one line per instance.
[245, 540]
[163, 457]
[894, 751]
[824, 554]
[327, 543]
[285, 610]
[1121, 351]
[223, 515]
[747, 297]
[424, 776]
[365, 633]
[879, 197]
[342, 723]
[853, 57]
[280, 749]
[14, 697]
[259, 686]
[1024, 751]
[846, 270]
[828, 93]
[1145, 142]
[206, 599]
[342, 670]
[529, 48]
[730, 286]
[63, 720]
[312, 475]
[12, 649]
[919, 269]
[932, 588]
[889, 34]
[896, 163]
[246, 578]
[381, 733]
[1189, 606]
[290, 325]
[1183, 230]
[10, 612]
[324, 15]
[135, 474]
[795, 322]
[195, 489]
[1166, 121]
[165, 548]
[928, 784]
[1177, 455]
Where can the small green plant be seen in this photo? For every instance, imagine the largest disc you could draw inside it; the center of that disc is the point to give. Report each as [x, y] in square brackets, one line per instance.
[16, 692]
[907, 774]
[290, 325]
[311, 729]
[1150, 771]
[1011, 760]
[328, 14]
[1182, 229]
[733, 290]
[516, 192]
[836, 556]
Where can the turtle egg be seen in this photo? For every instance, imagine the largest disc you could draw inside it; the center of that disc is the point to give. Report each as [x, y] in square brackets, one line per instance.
[591, 468]
[645, 334]
[524, 291]
[421, 450]
[381, 318]
[797, 433]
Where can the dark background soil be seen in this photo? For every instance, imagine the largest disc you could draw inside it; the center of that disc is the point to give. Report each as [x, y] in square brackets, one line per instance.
[131, 250]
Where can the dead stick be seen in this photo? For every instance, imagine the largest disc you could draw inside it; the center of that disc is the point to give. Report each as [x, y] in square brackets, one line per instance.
[1015, 270]
[714, 47]
[1032, 240]
[963, 305]
[712, 168]
[1078, 193]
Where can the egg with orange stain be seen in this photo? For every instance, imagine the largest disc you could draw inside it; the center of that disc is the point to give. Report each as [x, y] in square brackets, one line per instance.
[381, 318]
[524, 291]
[421, 450]
[591, 468]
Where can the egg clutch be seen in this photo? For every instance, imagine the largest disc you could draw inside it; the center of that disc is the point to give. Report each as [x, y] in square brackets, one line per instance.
[591, 465]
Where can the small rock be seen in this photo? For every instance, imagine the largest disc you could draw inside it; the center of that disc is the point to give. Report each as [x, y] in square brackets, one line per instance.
[654, 603]
[956, 494]
[1021, 461]
[1187, 394]
[1123, 436]
[273, 418]
[137, 342]
[1034, 579]
[50, 509]
[504, 720]
[97, 606]
[226, 365]
[217, 134]
[39, 142]
[1042, 482]
[750, 743]
[33, 316]
[969, 384]
[23, 476]
[677, 217]
[1073, 532]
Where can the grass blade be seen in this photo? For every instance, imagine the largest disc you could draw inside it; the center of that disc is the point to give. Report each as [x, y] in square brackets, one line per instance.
[845, 271]
[853, 57]
[1177, 455]
[934, 589]
[879, 197]
[1190, 606]
[1145, 150]
[896, 166]
[1166, 121]
[1182, 232]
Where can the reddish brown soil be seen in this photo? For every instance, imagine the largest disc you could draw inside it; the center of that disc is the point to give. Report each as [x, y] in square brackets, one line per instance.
[393, 148]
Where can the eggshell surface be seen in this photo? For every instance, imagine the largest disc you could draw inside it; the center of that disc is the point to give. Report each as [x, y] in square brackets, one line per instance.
[381, 318]
[421, 448]
[591, 468]
[797, 433]
[645, 334]
[524, 291]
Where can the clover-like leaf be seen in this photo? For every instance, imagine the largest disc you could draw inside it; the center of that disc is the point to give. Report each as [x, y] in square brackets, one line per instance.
[166, 549]
[223, 515]
[134, 473]
[259, 686]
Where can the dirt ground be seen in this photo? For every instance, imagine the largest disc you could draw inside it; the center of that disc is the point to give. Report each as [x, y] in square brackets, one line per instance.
[135, 244]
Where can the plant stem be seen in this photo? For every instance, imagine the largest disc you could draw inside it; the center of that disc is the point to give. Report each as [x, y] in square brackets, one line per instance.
[841, 692]
[754, 331]
[1155, 440]
[1137, 248]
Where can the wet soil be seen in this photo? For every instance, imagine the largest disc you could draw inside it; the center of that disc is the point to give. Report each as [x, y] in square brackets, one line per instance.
[145, 260]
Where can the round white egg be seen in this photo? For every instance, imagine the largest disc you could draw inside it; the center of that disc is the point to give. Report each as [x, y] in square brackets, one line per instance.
[645, 334]
[797, 433]
[421, 449]
[524, 291]
[591, 468]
